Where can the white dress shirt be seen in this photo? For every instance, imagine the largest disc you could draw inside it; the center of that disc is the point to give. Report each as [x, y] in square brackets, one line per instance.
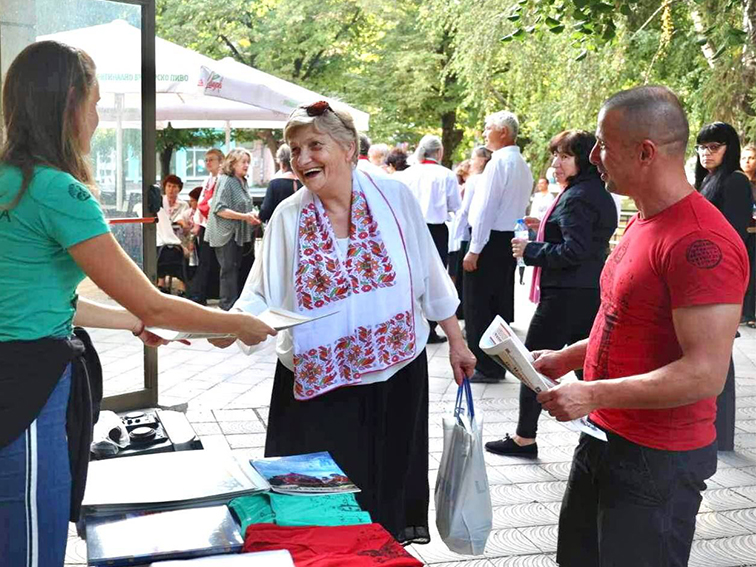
[541, 203]
[271, 281]
[501, 196]
[436, 189]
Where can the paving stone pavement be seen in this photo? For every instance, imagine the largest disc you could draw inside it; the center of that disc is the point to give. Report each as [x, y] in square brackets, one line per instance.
[228, 394]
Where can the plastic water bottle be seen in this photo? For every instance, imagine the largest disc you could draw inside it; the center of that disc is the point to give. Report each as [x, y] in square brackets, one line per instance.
[521, 231]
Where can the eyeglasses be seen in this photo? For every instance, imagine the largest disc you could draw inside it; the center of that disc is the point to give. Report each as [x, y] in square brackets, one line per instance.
[710, 148]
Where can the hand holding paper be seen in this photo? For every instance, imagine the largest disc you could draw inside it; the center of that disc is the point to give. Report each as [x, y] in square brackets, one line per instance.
[568, 401]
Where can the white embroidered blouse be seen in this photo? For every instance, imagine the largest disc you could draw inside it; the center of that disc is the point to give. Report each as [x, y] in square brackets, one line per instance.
[271, 281]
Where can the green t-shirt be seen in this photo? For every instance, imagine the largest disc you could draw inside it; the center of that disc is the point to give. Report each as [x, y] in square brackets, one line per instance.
[39, 277]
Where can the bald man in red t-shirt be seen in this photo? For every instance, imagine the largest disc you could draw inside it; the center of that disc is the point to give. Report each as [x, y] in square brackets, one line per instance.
[657, 355]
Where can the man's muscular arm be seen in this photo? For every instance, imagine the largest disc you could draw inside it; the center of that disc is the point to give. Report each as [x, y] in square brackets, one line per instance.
[705, 334]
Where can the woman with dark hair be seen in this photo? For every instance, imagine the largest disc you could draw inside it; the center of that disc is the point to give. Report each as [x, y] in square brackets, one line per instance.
[396, 161]
[171, 260]
[720, 179]
[459, 231]
[568, 254]
[282, 186]
[54, 234]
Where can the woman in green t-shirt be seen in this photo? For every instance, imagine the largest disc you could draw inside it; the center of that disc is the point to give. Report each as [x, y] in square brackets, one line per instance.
[53, 234]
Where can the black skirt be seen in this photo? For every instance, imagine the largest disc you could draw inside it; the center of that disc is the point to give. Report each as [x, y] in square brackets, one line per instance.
[377, 433]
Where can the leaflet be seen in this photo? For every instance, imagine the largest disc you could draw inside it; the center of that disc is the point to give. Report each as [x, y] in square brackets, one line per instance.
[279, 319]
[502, 344]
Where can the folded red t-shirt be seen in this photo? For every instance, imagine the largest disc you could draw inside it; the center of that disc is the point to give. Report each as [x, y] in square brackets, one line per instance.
[366, 545]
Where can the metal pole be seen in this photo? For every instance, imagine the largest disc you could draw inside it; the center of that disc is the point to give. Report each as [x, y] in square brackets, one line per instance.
[119, 104]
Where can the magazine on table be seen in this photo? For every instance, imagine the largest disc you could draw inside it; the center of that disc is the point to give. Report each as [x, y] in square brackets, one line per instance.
[142, 536]
[502, 344]
[279, 319]
[313, 473]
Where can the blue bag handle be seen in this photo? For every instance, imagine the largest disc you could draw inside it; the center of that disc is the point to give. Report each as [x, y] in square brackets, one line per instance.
[464, 390]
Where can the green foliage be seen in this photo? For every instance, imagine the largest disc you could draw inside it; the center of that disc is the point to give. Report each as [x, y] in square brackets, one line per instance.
[438, 66]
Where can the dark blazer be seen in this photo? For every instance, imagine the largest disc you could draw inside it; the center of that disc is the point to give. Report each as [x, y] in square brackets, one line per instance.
[734, 201]
[576, 236]
[278, 190]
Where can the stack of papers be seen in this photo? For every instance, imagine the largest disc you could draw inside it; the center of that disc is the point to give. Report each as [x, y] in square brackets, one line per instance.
[168, 481]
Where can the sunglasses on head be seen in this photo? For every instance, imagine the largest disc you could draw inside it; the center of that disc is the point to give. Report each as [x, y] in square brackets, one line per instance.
[318, 108]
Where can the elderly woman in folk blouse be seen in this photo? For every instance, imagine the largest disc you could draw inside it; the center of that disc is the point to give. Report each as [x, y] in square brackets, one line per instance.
[354, 383]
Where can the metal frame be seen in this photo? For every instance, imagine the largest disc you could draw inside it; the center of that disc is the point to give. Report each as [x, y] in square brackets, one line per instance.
[148, 396]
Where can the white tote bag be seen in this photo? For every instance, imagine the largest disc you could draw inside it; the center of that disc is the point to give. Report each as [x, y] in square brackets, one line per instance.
[463, 502]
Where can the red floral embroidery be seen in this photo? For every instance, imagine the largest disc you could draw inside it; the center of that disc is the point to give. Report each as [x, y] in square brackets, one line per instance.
[320, 277]
[369, 349]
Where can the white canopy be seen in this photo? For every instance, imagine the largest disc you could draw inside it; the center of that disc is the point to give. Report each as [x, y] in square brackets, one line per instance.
[116, 50]
[231, 80]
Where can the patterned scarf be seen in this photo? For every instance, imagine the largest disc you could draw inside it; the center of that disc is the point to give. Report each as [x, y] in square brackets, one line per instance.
[369, 290]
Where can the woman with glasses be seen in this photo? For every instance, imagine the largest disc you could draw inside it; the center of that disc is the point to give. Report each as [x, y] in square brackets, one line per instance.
[354, 248]
[720, 179]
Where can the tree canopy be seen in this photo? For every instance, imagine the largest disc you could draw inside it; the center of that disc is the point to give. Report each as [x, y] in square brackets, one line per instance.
[438, 66]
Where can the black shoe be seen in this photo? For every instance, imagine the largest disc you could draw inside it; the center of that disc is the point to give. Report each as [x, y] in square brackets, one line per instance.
[508, 446]
[479, 378]
[434, 338]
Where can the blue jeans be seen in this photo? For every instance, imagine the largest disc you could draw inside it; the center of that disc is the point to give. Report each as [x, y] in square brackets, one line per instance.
[35, 488]
[628, 505]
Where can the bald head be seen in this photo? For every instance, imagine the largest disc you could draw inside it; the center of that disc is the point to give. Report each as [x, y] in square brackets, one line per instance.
[653, 113]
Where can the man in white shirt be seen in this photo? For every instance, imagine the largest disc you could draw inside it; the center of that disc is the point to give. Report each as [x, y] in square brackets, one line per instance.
[364, 163]
[437, 190]
[501, 197]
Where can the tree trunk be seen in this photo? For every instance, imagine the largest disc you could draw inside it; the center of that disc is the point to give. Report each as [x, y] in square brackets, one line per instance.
[698, 24]
[165, 161]
[270, 141]
[450, 136]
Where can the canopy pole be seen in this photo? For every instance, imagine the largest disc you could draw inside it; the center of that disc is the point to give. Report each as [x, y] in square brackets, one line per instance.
[119, 104]
[228, 136]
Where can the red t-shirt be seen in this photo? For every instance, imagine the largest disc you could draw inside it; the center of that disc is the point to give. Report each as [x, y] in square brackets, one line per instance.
[686, 255]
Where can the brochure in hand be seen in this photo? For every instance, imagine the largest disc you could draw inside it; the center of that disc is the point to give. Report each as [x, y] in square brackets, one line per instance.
[279, 319]
[140, 537]
[502, 344]
[313, 473]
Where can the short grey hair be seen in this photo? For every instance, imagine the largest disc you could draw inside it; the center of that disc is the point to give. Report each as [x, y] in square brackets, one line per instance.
[334, 122]
[283, 155]
[504, 119]
[429, 145]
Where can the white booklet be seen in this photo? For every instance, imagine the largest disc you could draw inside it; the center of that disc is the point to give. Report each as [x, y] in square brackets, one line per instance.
[502, 344]
[277, 318]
